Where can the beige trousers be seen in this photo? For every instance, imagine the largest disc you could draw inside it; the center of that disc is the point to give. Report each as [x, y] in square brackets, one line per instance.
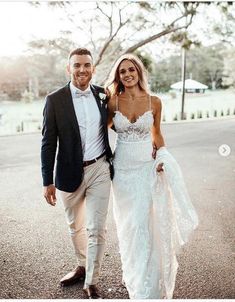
[86, 211]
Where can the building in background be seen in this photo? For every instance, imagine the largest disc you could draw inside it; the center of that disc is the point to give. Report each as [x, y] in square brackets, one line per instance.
[191, 86]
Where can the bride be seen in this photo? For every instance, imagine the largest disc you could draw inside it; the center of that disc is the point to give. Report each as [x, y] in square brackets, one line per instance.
[152, 210]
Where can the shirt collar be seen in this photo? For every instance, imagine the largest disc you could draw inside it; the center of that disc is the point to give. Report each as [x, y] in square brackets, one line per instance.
[74, 89]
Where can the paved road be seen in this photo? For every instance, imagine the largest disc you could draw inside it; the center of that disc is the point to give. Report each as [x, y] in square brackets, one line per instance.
[35, 248]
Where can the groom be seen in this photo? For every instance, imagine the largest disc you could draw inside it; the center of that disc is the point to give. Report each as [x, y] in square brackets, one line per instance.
[75, 116]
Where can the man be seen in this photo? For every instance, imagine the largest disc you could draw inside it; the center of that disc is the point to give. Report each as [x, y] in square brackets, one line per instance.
[76, 117]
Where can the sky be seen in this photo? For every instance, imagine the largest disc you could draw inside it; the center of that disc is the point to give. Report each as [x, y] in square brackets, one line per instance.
[21, 22]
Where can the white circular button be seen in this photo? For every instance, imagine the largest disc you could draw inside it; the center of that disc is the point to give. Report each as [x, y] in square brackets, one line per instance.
[224, 150]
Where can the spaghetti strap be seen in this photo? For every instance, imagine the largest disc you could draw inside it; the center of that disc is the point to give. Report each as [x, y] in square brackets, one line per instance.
[150, 102]
[116, 98]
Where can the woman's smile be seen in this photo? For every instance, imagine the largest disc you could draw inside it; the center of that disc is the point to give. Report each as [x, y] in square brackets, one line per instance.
[129, 79]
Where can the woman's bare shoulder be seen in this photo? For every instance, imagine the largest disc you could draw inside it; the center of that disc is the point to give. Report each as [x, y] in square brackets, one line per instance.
[156, 102]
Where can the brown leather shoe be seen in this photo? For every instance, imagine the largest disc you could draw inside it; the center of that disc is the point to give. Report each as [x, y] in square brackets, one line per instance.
[92, 292]
[73, 277]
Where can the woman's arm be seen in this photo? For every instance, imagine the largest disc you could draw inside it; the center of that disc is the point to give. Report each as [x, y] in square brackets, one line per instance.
[158, 140]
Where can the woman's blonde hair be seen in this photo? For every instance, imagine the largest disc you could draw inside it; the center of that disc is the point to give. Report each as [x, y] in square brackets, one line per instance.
[114, 86]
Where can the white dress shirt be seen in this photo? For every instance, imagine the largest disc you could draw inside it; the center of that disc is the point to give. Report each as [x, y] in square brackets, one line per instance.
[89, 121]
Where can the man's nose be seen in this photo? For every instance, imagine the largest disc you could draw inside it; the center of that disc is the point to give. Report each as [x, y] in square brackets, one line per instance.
[82, 68]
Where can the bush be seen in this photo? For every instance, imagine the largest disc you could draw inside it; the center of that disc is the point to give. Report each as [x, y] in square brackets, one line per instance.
[192, 116]
[215, 113]
[199, 114]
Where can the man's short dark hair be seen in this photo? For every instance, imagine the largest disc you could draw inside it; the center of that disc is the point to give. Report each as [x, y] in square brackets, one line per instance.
[80, 51]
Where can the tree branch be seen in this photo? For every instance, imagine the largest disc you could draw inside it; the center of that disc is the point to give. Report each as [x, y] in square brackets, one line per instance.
[111, 37]
[168, 30]
[91, 37]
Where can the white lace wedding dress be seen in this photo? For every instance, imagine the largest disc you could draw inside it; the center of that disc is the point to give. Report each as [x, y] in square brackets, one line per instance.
[152, 211]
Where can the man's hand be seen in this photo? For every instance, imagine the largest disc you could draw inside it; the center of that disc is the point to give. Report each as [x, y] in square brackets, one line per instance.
[49, 194]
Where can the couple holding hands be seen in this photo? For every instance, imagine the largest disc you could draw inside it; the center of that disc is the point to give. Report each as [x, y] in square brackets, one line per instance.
[152, 210]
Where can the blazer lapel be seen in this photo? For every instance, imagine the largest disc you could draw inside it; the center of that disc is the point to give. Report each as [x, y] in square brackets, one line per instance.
[98, 101]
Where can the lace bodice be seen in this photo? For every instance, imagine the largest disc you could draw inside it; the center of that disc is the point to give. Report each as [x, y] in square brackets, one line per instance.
[139, 130]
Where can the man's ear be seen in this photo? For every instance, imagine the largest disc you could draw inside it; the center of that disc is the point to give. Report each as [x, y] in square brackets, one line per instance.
[68, 69]
[94, 70]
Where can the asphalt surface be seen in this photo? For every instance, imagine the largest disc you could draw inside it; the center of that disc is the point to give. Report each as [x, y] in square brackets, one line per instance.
[35, 248]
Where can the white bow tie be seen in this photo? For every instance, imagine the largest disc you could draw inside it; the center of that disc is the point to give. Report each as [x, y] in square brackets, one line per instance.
[83, 93]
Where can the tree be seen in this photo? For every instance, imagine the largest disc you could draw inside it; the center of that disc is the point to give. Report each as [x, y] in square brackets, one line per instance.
[204, 64]
[125, 26]
[37, 74]
[228, 77]
[110, 29]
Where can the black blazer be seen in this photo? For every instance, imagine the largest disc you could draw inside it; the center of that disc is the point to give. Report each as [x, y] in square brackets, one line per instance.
[60, 125]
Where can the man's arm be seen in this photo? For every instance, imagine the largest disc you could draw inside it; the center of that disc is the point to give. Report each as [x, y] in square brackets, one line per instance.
[48, 150]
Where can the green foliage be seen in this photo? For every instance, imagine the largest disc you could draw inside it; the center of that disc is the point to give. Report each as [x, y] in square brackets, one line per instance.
[182, 38]
[146, 60]
[139, 22]
[165, 73]
[205, 64]
[229, 68]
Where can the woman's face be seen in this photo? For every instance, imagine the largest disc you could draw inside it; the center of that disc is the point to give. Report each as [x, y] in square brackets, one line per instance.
[128, 74]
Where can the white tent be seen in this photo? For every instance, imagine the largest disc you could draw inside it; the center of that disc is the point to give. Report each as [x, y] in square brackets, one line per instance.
[190, 85]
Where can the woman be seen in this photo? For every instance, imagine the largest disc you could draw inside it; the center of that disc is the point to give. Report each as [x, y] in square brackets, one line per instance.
[152, 210]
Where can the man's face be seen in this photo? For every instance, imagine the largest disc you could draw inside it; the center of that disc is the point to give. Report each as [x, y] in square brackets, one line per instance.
[80, 69]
